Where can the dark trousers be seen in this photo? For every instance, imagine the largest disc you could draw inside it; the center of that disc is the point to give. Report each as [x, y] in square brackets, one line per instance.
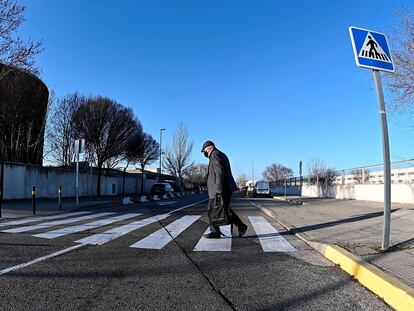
[234, 219]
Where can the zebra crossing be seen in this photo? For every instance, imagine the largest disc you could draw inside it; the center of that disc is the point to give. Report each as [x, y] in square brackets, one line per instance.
[268, 236]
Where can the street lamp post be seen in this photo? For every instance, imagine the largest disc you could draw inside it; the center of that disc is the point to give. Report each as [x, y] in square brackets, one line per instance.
[253, 171]
[160, 172]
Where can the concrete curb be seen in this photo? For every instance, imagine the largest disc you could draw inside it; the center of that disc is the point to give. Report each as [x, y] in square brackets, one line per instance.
[394, 292]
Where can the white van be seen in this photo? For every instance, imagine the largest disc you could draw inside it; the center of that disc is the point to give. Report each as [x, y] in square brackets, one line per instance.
[262, 188]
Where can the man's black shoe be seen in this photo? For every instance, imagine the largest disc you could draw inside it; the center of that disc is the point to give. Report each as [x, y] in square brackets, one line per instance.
[242, 230]
[212, 235]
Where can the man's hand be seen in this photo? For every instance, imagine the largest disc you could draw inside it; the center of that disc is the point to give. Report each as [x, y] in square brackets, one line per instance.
[218, 198]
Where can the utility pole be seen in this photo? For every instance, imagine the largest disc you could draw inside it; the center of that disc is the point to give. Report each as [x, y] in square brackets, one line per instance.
[160, 172]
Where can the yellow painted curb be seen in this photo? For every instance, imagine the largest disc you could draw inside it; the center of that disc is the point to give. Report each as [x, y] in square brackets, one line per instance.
[395, 293]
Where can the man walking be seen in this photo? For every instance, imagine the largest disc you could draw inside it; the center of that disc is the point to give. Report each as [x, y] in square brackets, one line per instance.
[221, 184]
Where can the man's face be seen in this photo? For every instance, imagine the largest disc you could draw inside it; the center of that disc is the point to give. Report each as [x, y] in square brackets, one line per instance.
[207, 151]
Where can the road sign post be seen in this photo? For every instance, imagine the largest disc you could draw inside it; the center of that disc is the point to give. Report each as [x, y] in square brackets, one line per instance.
[387, 162]
[371, 51]
[79, 148]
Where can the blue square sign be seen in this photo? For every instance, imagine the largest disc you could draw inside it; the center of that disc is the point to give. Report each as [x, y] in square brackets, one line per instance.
[371, 49]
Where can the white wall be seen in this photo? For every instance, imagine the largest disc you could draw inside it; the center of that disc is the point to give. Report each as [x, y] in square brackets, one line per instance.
[19, 180]
[400, 193]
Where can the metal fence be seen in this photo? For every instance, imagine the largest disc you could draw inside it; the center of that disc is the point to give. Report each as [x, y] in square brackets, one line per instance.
[402, 172]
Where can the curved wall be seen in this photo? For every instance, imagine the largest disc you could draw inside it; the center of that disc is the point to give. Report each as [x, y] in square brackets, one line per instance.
[23, 109]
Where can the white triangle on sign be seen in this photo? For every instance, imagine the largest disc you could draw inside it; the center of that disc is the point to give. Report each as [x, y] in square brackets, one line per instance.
[371, 49]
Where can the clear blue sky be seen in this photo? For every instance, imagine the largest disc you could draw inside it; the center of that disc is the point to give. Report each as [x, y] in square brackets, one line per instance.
[273, 81]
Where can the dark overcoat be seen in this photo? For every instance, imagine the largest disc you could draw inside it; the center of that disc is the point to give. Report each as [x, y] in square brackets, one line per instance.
[219, 177]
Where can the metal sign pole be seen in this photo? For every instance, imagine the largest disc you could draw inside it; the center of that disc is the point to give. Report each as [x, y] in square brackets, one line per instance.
[387, 164]
[77, 178]
[77, 148]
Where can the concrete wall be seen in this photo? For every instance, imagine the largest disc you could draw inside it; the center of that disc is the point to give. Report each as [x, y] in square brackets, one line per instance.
[400, 193]
[19, 180]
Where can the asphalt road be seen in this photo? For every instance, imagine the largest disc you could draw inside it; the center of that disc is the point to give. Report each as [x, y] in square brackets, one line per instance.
[115, 276]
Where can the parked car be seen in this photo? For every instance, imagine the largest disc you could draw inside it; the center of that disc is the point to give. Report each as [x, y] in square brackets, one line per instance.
[262, 189]
[161, 188]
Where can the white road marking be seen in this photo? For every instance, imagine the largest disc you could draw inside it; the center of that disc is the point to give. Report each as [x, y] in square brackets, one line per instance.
[181, 208]
[162, 237]
[269, 237]
[66, 250]
[166, 203]
[29, 263]
[96, 224]
[40, 218]
[215, 245]
[54, 223]
[104, 237]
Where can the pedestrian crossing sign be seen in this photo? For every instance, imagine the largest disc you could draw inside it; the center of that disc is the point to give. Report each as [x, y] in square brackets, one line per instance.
[371, 49]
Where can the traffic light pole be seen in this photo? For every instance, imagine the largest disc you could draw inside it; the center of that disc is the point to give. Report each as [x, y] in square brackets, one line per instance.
[387, 162]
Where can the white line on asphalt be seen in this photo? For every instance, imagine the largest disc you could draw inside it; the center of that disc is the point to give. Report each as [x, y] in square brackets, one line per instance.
[39, 218]
[112, 234]
[162, 237]
[54, 223]
[66, 250]
[166, 203]
[92, 225]
[269, 237]
[181, 208]
[104, 237]
[29, 263]
[215, 245]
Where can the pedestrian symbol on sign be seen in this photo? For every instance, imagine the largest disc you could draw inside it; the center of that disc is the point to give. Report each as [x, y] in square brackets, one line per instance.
[372, 49]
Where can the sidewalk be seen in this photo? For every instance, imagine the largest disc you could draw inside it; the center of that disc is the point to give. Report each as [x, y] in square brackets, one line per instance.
[22, 208]
[355, 226]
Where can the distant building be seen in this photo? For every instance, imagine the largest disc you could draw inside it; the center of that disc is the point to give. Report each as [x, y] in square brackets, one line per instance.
[23, 109]
[398, 176]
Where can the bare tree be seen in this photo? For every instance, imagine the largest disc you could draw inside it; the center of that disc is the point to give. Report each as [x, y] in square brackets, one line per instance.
[13, 50]
[197, 175]
[177, 160]
[132, 150]
[361, 175]
[60, 132]
[329, 176]
[401, 83]
[316, 168]
[106, 126]
[276, 172]
[148, 151]
[319, 172]
[241, 179]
